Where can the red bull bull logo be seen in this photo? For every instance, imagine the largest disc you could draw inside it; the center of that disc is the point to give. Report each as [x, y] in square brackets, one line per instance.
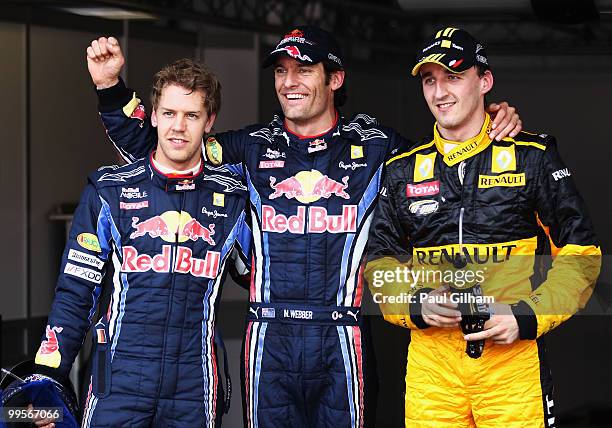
[194, 230]
[139, 113]
[289, 187]
[317, 145]
[309, 186]
[294, 33]
[185, 185]
[154, 227]
[326, 187]
[294, 52]
[172, 224]
[48, 353]
[50, 345]
[184, 262]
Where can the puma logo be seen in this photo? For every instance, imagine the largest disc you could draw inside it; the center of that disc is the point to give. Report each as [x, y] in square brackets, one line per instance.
[354, 315]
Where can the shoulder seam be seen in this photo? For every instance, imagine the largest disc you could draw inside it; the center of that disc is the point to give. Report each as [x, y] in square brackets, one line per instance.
[114, 178]
[526, 143]
[406, 154]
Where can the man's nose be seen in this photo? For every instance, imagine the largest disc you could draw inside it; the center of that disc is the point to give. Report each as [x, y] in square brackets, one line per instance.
[440, 90]
[179, 123]
[291, 79]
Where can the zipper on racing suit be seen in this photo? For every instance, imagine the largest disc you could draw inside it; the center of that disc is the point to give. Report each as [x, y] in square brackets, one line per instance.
[473, 315]
[169, 310]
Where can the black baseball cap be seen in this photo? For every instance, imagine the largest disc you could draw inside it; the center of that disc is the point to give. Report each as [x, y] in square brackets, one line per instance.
[452, 48]
[308, 45]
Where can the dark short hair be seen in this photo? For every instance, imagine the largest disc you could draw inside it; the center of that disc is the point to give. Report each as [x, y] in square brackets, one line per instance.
[481, 69]
[191, 75]
[340, 94]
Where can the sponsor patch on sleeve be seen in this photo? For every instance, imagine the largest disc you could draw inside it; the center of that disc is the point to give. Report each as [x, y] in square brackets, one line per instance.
[49, 353]
[562, 173]
[214, 151]
[89, 241]
[84, 273]
[131, 106]
[85, 258]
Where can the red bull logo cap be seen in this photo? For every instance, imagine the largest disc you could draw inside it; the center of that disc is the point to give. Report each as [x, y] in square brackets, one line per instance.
[308, 45]
[452, 48]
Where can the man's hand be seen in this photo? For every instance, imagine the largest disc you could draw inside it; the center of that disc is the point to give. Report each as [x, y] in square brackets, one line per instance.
[506, 121]
[40, 422]
[104, 62]
[501, 328]
[442, 314]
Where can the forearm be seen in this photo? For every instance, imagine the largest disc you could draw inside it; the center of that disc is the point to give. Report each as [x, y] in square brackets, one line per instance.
[126, 123]
[568, 287]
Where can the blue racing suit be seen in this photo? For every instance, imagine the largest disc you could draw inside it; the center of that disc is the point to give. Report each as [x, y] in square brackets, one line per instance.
[167, 239]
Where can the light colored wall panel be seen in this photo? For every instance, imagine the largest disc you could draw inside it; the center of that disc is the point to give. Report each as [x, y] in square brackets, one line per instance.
[67, 143]
[13, 171]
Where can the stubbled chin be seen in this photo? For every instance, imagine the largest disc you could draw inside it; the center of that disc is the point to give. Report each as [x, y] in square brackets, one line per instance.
[446, 121]
[293, 113]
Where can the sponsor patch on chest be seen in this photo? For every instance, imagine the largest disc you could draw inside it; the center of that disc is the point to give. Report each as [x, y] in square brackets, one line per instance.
[267, 164]
[503, 180]
[423, 208]
[423, 189]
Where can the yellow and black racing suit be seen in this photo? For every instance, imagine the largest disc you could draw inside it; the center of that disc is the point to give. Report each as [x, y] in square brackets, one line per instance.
[500, 205]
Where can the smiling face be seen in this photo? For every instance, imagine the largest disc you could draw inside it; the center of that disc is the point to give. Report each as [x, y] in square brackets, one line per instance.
[307, 101]
[456, 99]
[182, 121]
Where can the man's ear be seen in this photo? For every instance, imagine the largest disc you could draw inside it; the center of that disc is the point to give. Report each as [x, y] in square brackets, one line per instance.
[337, 79]
[486, 82]
[154, 118]
[210, 122]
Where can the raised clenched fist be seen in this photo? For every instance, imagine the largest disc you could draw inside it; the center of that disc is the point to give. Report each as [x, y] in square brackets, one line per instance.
[104, 62]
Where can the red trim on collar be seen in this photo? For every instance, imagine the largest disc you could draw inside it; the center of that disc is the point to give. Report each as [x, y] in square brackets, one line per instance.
[304, 137]
[176, 175]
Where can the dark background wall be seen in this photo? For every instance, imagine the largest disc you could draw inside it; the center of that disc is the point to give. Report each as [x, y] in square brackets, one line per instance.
[51, 138]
